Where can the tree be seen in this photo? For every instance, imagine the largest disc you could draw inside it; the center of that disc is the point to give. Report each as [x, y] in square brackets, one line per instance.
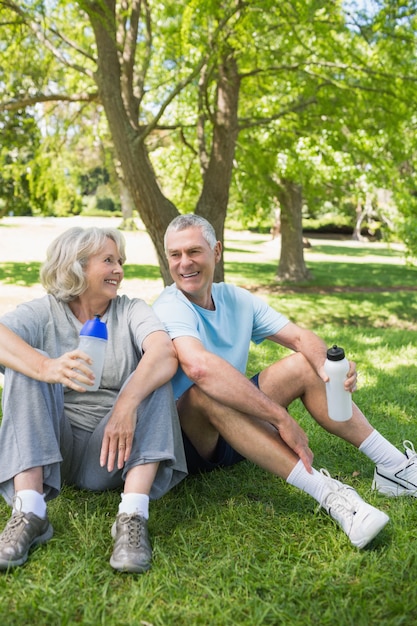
[215, 80]
[20, 140]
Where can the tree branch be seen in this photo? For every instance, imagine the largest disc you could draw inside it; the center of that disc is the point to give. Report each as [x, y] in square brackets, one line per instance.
[218, 31]
[15, 105]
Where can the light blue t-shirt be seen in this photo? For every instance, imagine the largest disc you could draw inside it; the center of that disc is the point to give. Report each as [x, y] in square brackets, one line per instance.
[239, 318]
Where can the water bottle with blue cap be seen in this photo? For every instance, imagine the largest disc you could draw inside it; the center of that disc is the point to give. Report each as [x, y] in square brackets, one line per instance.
[93, 341]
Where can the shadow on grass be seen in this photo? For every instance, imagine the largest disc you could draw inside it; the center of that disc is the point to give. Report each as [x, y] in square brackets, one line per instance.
[148, 272]
[352, 252]
[326, 275]
[329, 274]
[376, 275]
[241, 247]
[357, 309]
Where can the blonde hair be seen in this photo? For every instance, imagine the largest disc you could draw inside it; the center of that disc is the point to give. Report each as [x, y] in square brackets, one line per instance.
[63, 272]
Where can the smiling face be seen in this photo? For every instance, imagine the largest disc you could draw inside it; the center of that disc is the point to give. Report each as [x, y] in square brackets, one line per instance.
[104, 273]
[191, 264]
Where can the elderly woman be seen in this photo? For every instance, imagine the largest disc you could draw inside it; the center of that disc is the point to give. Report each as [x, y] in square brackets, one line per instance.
[125, 435]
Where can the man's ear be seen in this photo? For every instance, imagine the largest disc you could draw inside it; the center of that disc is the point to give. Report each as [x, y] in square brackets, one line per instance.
[218, 251]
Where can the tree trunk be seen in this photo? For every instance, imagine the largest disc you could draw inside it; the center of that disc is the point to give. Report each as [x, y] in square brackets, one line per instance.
[128, 221]
[362, 212]
[214, 197]
[291, 266]
[155, 210]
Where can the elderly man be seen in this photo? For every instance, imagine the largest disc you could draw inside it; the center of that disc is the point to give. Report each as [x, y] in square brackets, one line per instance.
[225, 417]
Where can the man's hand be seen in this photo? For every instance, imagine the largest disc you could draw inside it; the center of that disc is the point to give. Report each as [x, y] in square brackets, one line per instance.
[351, 377]
[296, 439]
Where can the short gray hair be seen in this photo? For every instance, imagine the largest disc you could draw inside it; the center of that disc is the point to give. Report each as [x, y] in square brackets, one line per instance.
[63, 272]
[190, 220]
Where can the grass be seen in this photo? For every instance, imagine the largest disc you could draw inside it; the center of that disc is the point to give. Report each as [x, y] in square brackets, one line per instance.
[240, 546]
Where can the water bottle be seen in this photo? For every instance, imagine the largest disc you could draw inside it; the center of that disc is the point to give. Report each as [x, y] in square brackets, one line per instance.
[93, 341]
[339, 401]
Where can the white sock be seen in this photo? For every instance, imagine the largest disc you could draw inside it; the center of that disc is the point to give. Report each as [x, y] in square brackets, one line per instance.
[135, 503]
[314, 484]
[381, 451]
[30, 501]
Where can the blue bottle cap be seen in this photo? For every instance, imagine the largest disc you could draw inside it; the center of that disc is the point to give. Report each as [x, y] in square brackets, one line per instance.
[95, 328]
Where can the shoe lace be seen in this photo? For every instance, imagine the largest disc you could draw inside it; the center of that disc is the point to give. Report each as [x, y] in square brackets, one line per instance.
[337, 501]
[134, 526]
[338, 506]
[326, 473]
[409, 449]
[9, 533]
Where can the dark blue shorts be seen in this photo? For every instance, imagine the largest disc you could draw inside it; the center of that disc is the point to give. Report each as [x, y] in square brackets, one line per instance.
[224, 456]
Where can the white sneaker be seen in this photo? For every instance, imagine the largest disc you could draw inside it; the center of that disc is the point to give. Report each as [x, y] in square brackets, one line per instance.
[402, 481]
[360, 521]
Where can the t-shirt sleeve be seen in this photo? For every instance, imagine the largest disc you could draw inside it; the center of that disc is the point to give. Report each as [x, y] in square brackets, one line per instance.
[177, 315]
[142, 321]
[266, 320]
[27, 320]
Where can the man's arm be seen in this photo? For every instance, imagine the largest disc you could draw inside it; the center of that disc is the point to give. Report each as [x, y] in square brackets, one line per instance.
[222, 382]
[313, 348]
[301, 340]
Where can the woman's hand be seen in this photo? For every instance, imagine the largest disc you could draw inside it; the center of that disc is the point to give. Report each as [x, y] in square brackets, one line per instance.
[70, 369]
[118, 438]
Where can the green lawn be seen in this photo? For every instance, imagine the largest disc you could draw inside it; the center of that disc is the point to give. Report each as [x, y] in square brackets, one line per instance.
[240, 547]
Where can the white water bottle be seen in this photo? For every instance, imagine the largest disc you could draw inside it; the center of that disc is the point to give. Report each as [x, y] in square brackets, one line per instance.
[339, 401]
[93, 341]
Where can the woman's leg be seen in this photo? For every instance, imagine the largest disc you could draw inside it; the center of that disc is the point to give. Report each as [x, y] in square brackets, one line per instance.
[34, 434]
[32, 431]
[156, 464]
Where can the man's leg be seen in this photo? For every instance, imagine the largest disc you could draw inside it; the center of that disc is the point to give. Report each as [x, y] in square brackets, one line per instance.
[203, 420]
[395, 472]
[293, 377]
[260, 442]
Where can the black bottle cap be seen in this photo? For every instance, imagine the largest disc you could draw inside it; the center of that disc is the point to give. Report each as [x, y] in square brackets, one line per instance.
[335, 353]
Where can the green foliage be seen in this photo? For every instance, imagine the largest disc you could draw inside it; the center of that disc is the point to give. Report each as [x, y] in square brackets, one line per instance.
[20, 141]
[324, 101]
[406, 197]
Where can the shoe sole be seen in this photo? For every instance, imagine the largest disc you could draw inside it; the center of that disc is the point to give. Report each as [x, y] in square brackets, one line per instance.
[47, 535]
[392, 489]
[130, 568]
[392, 492]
